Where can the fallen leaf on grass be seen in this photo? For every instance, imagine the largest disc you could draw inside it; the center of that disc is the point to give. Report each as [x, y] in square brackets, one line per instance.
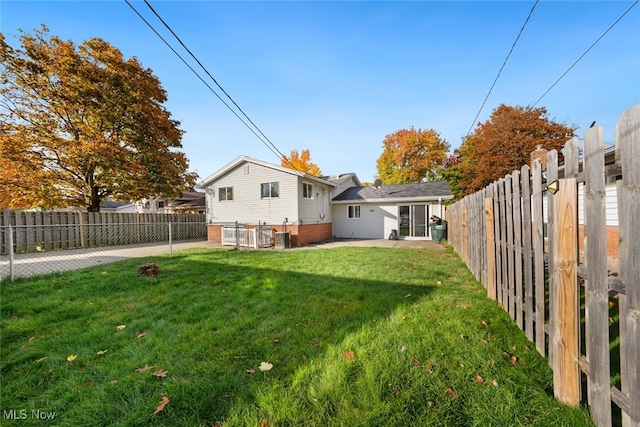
[348, 354]
[251, 371]
[479, 379]
[264, 423]
[160, 373]
[265, 366]
[72, 357]
[113, 382]
[120, 327]
[514, 360]
[239, 357]
[416, 362]
[41, 359]
[494, 383]
[144, 368]
[407, 295]
[83, 385]
[141, 334]
[162, 404]
[101, 352]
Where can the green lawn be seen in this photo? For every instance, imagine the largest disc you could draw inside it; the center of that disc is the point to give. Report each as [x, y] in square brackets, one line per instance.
[353, 336]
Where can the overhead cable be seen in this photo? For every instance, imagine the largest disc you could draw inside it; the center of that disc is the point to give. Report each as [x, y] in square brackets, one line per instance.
[501, 68]
[268, 142]
[585, 52]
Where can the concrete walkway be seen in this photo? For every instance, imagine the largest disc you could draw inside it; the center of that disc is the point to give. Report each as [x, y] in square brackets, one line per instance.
[32, 264]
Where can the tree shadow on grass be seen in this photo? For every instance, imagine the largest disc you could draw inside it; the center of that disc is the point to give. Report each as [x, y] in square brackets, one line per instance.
[208, 320]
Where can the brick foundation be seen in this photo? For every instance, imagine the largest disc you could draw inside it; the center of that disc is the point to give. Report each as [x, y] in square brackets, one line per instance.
[612, 240]
[300, 235]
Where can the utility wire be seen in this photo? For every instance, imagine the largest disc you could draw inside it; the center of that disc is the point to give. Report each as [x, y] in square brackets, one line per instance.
[501, 68]
[264, 138]
[585, 52]
[277, 153]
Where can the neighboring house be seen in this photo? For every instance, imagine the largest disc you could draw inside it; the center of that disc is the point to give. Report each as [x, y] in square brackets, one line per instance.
[188, 202]
[254, 192]
[372, 212]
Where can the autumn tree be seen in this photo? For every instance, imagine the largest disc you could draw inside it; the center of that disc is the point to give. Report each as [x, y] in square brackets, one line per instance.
[79, 124]
[301, 162]
[411, 156]
[504, 143]
[451, 172]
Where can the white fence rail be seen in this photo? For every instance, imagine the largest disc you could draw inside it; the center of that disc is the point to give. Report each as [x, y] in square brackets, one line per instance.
[259, 237]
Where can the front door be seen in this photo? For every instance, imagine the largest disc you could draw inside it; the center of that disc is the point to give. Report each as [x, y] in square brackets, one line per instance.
[412, 220]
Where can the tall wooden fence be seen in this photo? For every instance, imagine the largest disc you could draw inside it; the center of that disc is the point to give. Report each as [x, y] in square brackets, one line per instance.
[47, 230]
[524, 250]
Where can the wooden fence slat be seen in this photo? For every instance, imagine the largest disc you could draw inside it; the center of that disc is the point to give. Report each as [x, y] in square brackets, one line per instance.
[597, 288]
[538, 263]
[517, 249]
[552, 175]
[566, 333]
[526, 255]
[491, 250]
[508, 241]
[503, 245]
[628, 147]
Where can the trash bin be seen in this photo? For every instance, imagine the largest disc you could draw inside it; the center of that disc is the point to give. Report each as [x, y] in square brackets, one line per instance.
[282, 240]
[439, 231]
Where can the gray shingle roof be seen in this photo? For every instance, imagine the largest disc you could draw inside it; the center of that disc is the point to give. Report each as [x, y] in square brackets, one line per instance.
[426, 190]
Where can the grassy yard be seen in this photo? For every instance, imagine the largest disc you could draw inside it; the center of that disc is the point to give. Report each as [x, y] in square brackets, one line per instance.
[330, 337]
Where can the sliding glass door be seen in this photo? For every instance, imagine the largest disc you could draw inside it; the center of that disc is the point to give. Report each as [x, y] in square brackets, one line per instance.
[412, 220]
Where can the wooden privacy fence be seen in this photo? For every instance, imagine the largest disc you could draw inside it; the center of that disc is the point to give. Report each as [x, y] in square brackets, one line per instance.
[521, 241]
[47, 230]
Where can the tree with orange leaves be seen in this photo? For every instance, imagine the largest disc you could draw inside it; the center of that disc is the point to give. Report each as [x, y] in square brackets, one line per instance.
[79, 124]
[301, 163]
[411, 155]
[504, 143]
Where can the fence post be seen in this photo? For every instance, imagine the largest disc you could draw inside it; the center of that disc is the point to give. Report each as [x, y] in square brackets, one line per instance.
[565, 321]
[170, 241]
[11, 266]
[237, 237]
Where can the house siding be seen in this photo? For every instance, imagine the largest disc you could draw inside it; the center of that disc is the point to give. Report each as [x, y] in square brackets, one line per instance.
[247, 205]
[317, 209]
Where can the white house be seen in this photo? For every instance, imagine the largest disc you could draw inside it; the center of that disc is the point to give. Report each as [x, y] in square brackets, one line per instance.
[252, 192]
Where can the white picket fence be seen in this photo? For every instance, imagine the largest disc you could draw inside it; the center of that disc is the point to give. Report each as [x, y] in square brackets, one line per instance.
[259, 237]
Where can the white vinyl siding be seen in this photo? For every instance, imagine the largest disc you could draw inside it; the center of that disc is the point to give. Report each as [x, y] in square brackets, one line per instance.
[248, 206]
[317, 209]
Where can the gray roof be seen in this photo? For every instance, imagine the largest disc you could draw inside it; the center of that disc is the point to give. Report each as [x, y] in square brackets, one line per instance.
[423, 190]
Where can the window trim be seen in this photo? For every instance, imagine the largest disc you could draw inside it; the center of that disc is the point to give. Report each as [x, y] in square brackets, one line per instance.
[271, 186]
[225, 190]
[353, 211]
[309, 192]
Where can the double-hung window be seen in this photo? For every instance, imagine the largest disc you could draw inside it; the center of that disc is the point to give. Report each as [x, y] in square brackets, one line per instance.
[270, 190]
[307, 191]
[354, 211]
[225, 193]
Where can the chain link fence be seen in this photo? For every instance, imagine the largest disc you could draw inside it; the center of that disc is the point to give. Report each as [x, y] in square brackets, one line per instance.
[27, 250]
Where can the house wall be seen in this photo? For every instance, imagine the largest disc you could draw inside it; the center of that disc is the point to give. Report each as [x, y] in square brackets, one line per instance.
[376, 220]
[317, 209]
[247, 205]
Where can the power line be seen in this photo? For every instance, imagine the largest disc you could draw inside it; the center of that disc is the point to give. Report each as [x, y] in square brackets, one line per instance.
[585, 52]
[196, 74]
[264, 141]
[501, 68]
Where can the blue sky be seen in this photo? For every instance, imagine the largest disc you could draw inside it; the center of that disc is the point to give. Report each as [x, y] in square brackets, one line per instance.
[337, 77]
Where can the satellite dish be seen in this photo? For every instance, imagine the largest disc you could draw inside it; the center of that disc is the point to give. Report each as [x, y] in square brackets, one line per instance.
[378, 183]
